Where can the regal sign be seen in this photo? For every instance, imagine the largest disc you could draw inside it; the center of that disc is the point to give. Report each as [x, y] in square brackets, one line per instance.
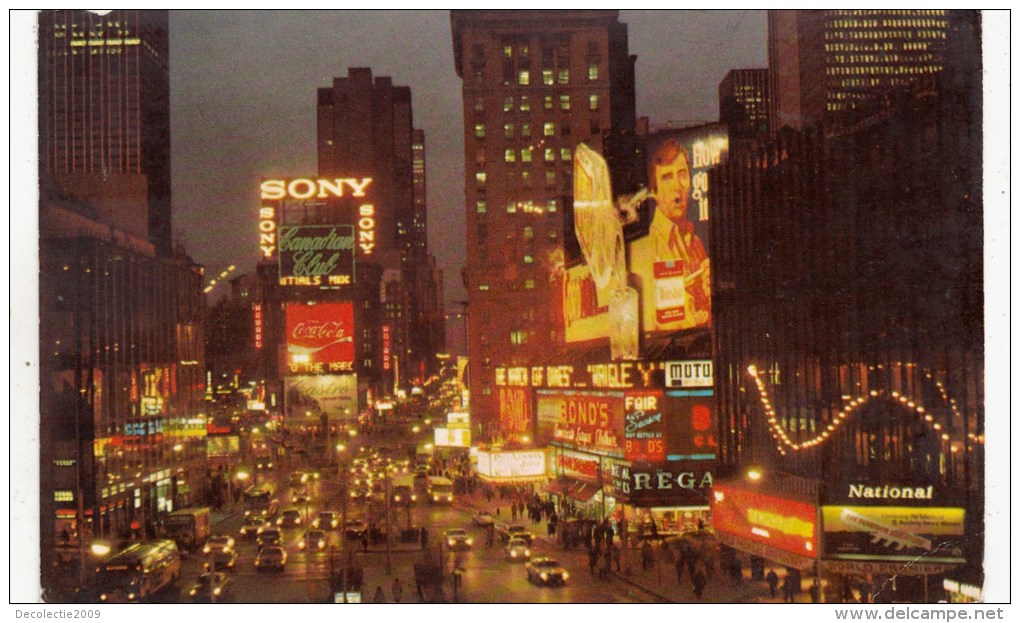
[662, 484]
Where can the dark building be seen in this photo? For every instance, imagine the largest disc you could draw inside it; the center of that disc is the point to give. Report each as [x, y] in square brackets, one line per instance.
[104, 102]
[826, 64]
[744, 103]
[847, 274]
[535, 85]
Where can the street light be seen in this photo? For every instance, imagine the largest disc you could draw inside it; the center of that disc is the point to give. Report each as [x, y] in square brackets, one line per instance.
[100, 548]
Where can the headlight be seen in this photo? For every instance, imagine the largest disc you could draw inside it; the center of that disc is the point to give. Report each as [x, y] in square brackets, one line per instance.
[435, 498]
[470, 541]
[513, 553]
[450, 542]
[544, 576]
[194, 591]
[102, 597]
[301, 544]
[217, 590]
[131, 596]
[527, 553]
[279, 521]
[322, 544]
[414, 498]
[206, 549]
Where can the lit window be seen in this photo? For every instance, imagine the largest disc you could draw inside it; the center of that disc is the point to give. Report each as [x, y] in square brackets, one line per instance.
[480, 207]
[526, 154]
[549, 129]
[593, 102]
[550, 154]
[565, 153]
[525, 105]
[547, 77]
[510, 155]
[479, 104]
[593, 72]
[550, 205]
[508, 103]
[528, 259]
[526, 179]
[480, 130]
[524, 77]
[511, 207]
[563, 76]
[529, 233]
[525, 129]
[480, 178]
[508, 51]
[529, 284]
[508, 130]
[550, 179]
[564, 102]
[518, 337]
[63, 495]
[483, 286]
[547, 102]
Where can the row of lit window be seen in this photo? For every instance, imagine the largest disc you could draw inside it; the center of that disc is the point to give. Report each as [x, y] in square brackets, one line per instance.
[857, 59]
[889, 13]
[887, 23]
[864, 47]
[895, 35]
[548, 129]
[550, 179]
[529, 284]
[565, 153]
[883, 69]
[525, 207]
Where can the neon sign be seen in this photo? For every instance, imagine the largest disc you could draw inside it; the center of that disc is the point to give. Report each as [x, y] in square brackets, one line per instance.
[258, 326]
[307, 188]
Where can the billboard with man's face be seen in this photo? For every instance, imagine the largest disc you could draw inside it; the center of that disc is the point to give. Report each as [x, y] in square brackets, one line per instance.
[641, 269]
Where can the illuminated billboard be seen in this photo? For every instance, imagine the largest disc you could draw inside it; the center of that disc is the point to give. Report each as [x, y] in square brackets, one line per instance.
[335, 395]
[637, 264]
[579, 420]
[894, 533]
[452, 437]
[511, 465]
[319, 256]
[644, 428]
[744, 517]
[320, 338]
[515, 418]
[685, 484]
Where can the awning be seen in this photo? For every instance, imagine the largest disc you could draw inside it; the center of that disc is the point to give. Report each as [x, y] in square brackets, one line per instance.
[578, 490]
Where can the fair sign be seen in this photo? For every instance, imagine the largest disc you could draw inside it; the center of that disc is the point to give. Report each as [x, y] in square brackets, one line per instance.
[512, 465]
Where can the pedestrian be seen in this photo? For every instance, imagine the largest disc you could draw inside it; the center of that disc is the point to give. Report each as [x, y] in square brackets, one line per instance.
[592, 561]
[646, 555]
[616, 558]
[398, 590]
[424, 538]
[773, 581]
[679, 565]
[816, 591]
[608, 562]
[513, 512]
[700, 581]
[787, 588]
[364, 544]
[379, 598]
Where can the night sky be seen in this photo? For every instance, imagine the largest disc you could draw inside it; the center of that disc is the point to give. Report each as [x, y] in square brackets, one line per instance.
[243, 88]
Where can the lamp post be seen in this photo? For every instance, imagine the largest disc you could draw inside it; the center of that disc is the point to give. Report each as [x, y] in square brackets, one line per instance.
[341, 450]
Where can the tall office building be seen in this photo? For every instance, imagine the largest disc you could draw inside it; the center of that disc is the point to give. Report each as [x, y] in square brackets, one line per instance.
[535, 85]
[744, 102]
[104, 97]
[826, 64]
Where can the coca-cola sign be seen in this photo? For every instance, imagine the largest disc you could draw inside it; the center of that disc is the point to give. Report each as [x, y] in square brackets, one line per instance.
[320, 338]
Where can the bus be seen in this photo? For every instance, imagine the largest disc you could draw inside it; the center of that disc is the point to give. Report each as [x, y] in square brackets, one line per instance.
[189, 527]
[261, 500]
[140, 570]
[440, 490]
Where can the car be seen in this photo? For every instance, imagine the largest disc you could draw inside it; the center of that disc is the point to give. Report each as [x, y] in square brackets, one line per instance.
[222, 560]
[297, 479]
[546, 571]
[251, 525]
[289, 518]
[313, 540]
[457, 538]
[217, 542]
[209, 587]
[509, 532]
[517, 549]
[355, 528]
[482, 518]
[327, 520]
[360, 492]
[268, 537]
[271, 558]
[300, 496]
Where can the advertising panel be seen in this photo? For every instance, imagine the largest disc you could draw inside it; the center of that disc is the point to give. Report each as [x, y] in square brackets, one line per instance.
[589, 421]
[783, 524]
[644, 429]
[335, 395]
[686, 374]
[664, 484]
[320, 338]
[690, 426]
[511, 465]
[515, 418]
[893, 533]
[637, 264]
[453, 437]
[577, 465]
[316, 255]
[222, 445]
[457, 419]
[259, 325]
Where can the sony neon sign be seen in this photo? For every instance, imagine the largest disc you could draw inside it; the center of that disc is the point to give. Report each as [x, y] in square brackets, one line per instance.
[320, 188]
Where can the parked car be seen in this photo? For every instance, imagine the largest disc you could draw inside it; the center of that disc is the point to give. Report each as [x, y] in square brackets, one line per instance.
[546, 571]
[271, 558]
[210, 587]
[457, 538]
[517, 549]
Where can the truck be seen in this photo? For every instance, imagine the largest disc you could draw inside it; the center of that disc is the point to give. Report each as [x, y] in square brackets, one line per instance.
[402, 491]
[440, 490]
[189, 527]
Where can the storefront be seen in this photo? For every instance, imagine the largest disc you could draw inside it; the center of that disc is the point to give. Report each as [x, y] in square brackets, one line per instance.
[659, 500]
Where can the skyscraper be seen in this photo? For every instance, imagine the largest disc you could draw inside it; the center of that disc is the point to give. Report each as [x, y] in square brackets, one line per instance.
[535, 85]
[104, 98]
[744, 102]
[824, 65]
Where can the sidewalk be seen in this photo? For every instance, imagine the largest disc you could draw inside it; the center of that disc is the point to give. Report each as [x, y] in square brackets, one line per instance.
[660, 579]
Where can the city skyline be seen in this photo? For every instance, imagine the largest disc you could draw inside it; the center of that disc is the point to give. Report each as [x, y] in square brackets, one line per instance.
[266, 141]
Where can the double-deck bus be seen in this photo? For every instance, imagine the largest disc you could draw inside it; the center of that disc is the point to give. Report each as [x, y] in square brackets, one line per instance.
[261, 500]
[138, 571]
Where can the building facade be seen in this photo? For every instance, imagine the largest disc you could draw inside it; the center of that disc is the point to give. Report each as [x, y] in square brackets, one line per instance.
[744, 102]
[535, 85]
[827, 64]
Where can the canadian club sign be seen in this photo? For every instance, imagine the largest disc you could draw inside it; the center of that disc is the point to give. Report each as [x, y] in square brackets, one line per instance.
[317, 255]
[320, 338]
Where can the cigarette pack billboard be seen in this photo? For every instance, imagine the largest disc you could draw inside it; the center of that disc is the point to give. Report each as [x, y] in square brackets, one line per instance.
[582, 420]
[320, 256]
[894, 533]
[320, 338]
[336, 395]
[750, 516]
[637, 264]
